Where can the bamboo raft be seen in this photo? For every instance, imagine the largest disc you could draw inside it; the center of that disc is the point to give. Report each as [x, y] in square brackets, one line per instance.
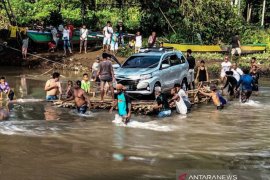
[144, 107]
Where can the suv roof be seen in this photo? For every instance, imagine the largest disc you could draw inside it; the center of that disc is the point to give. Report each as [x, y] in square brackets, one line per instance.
[156, 49]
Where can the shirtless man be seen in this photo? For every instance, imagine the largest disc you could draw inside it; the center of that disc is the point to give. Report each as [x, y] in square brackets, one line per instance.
[53, 88]
[82, 100]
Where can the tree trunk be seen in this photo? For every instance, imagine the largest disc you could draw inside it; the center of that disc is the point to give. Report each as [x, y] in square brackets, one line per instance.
[249, 10]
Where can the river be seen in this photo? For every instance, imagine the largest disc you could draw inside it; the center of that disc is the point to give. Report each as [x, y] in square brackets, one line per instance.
[39, 141]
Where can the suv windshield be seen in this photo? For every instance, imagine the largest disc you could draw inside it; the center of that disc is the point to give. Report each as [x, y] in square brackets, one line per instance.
[142, 62]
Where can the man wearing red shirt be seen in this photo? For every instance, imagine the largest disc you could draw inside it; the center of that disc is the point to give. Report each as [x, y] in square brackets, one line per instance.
[71, 30]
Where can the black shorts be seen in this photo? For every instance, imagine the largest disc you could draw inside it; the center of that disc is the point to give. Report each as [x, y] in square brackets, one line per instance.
[245, 95]
[106, 80]
[255, 87]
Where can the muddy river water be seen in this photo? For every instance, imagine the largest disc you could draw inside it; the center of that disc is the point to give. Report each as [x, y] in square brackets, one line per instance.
[39, 141]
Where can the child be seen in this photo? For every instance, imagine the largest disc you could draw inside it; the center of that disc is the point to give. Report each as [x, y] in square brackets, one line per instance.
[86, 85]
[255, 75]
[69, 92]
[202, 74]
[131, 44]
[114, 43]
[217, 99]
[25, 42]
[52, 47]
[138, 41]
[231, 82]
[122, 101]
[4, 88]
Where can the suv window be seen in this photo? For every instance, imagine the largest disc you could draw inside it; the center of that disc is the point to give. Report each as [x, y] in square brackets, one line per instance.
[181, 58]
[142, 62]
[174, 60]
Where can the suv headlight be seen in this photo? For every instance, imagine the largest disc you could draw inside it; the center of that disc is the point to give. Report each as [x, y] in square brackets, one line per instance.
[145, 76]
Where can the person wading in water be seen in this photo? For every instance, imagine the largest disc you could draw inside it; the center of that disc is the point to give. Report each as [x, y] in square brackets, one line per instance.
[82, 100]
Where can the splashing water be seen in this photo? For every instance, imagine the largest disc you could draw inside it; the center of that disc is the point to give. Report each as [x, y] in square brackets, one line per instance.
[152, 125]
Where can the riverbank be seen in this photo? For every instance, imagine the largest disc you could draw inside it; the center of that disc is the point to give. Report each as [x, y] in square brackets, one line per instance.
[82, 62]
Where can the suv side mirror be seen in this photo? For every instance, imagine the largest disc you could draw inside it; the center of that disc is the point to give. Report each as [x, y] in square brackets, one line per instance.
[164, 66]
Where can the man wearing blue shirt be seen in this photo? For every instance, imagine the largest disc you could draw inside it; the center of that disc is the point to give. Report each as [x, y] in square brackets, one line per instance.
[247, 83]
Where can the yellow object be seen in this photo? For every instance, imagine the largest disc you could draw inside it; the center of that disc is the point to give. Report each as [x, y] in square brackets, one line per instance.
[195, 48]
[13, 31]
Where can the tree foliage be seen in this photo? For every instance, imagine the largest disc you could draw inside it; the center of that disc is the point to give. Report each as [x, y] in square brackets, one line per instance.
[214, 21]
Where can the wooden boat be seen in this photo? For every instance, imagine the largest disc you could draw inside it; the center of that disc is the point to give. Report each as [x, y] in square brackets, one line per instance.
[246, 49]
[40, 37]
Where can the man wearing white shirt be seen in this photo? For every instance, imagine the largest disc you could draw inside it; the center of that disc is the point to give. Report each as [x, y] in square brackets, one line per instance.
[66, 40]
[138, 41]
[237, 72]
[83, 38]
[107, 32]
[225, 66]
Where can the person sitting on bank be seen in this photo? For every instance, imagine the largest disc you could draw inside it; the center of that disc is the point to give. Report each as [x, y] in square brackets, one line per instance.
[82, 100]
[214, 95]
[4, 88]
[53, 88]
[162, 105]
[123, 103]
[231, 82]
[247, 83]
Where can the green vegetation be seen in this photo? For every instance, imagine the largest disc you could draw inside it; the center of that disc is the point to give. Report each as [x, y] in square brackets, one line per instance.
[207, 21]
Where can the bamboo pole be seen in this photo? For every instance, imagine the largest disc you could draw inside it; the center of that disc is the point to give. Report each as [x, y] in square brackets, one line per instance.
[167, 20]
[263, 12]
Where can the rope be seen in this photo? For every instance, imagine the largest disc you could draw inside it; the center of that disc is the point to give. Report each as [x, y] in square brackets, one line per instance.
[46, 59]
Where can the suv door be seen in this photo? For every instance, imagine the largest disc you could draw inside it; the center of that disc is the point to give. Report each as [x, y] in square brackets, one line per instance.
[183, 67]
[175, 70]
[165, 72]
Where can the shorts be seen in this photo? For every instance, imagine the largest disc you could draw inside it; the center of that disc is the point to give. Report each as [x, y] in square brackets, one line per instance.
[66, 43]
[137, 48]
[108, 80]
[220, 107]
[245, 95]
[255, 87]
[82, 109]
[114, 46]
[222, 74]
[234, 50]
[83, 43]
[190, 75]
[165, 113]
[51, 98]
[106, 41]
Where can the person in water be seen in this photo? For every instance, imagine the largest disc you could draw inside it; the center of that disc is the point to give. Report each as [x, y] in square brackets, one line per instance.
[231, 82]
[182, 94]
[217, 99]
[5, 89]
[82, 100]
[53, 87]
[86, 85]
[176, 100]
[69, 90]
[247, 83]
[123, 102]
[162, 105]
[202, 74]
[255, 75]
